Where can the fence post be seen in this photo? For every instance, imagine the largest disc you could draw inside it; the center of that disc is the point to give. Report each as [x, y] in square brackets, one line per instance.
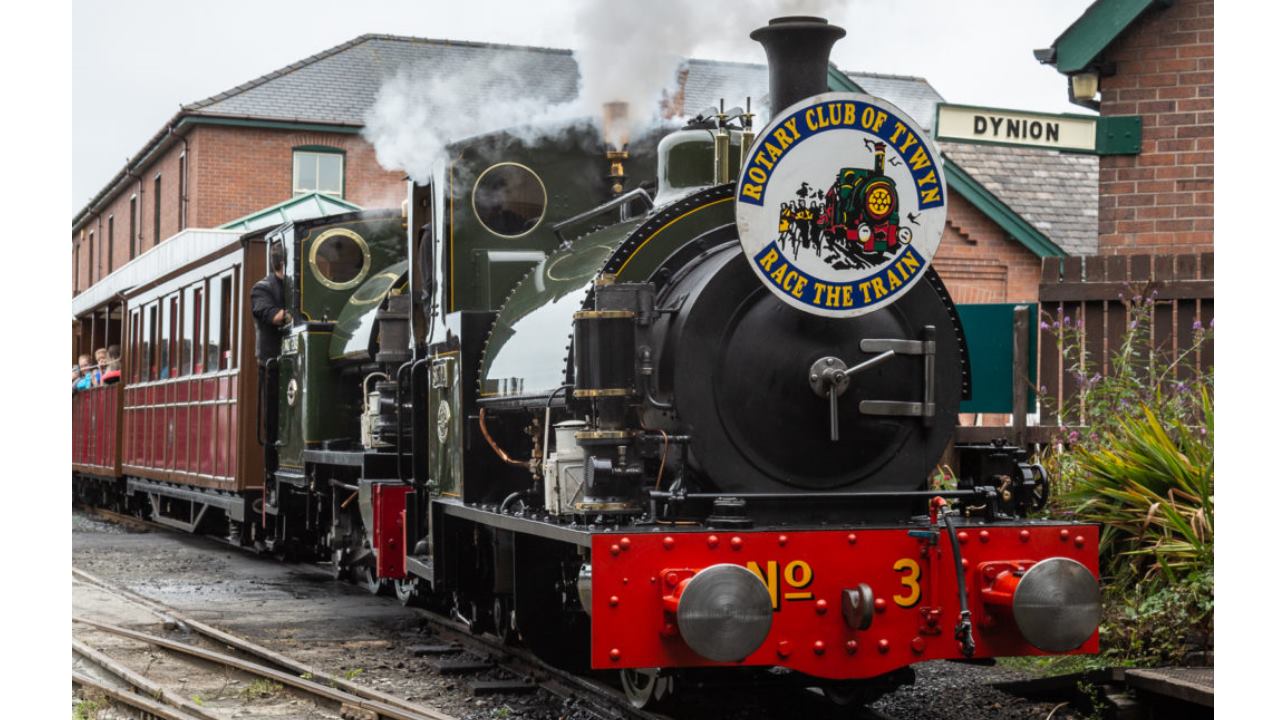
[1021, 374]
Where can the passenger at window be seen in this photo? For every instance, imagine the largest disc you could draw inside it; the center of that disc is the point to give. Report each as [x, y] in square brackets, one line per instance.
[112, 372]
[100, 362]
[89, 376]
[270, 320]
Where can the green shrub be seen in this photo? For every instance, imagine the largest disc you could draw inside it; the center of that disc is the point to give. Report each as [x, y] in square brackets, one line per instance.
[1158, 623]
[1141, 465]
[1149, 482]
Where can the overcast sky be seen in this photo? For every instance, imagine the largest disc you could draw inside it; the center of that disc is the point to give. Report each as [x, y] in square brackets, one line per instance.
[134, 62]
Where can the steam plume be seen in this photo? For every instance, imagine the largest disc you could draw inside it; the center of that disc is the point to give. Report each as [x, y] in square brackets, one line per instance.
[626, 51]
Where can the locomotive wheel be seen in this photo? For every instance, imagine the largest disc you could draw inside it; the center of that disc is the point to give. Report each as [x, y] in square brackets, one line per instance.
[504, 620]
[371, 582]
[407, 591]
[646, 687]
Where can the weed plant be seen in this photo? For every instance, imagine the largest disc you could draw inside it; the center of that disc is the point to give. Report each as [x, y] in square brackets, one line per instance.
[1141, 465]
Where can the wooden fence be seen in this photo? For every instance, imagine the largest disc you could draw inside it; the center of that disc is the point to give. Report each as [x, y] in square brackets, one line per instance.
[1097, 295]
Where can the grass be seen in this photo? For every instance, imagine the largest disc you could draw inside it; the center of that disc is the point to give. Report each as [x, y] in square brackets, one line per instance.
[87, 710]
[261, 688]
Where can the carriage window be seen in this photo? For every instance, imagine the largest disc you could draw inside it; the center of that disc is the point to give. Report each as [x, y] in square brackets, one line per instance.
[151, 348]
[509, 199]
[226, 359]
[169, 341]
[213, 347]
[340, 258]
[195, 303]
[135, 345]
[190, 321]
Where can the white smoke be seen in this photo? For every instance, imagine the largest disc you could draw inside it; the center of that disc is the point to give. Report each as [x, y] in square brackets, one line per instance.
[626, 51]
[419, 110]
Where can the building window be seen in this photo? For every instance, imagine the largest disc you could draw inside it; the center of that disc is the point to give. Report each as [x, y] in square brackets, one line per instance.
[182, 191]
[133, 227]
[111, 244]
[155, 240]
[318, 170]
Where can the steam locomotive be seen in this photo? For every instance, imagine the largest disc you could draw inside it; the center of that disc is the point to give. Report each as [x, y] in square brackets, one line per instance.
[862, 205]
[572, 416]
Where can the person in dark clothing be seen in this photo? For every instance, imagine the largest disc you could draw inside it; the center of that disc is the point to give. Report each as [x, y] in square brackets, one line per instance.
[270, 318]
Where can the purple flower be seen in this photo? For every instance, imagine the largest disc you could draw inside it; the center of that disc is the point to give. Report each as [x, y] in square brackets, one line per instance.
[1211, 322]
[1096, 377]
[1204, 431]
[1066, 321]
[1196, 325]
[1133, 324]
[1180, 387]
[1044, 389]
[1044, 325]
[1055, 324]
[1073, 437]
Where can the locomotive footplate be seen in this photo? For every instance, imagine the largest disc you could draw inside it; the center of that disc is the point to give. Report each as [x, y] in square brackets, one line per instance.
[850, 603]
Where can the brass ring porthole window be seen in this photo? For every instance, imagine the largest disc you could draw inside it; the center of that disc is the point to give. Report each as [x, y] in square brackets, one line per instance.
[509, 199]
[339, 258]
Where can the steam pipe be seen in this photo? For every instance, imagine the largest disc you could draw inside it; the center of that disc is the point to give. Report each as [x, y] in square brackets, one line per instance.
[799, 49]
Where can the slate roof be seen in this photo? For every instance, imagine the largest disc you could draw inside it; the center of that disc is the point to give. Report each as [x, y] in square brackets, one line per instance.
[339, 85]
[1056, 192]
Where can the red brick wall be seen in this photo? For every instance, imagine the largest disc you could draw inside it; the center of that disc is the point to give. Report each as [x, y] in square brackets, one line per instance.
[231, 172]
[246, 169]
[1161, 201]
[980, 263]
[143, 187]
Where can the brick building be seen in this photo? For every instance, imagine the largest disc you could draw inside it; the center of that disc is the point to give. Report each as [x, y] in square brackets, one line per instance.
[1152, 59]
[297, 131]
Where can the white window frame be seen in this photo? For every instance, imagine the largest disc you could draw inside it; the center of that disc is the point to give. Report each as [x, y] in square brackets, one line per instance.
[342, 172]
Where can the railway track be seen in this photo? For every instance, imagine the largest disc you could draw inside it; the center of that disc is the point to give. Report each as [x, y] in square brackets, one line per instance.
[484, 663]
[351, 700]
[469, 655]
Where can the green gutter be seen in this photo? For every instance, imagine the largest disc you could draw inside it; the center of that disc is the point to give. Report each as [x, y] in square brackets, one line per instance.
[1096, 29]
[1003, 215]
[269, 124]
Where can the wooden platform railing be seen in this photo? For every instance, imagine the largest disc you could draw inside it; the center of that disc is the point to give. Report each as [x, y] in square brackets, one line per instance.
[1097, 294]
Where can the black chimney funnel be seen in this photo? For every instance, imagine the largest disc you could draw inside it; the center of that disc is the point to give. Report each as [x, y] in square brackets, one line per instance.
[799, 50]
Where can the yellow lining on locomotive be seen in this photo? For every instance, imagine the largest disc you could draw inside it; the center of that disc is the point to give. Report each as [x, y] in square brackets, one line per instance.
[664, 227]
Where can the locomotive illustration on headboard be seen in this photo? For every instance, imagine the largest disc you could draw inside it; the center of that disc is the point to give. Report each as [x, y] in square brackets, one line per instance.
[854, 223]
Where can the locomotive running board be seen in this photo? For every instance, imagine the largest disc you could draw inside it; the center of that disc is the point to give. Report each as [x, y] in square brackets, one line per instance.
[928, 347]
